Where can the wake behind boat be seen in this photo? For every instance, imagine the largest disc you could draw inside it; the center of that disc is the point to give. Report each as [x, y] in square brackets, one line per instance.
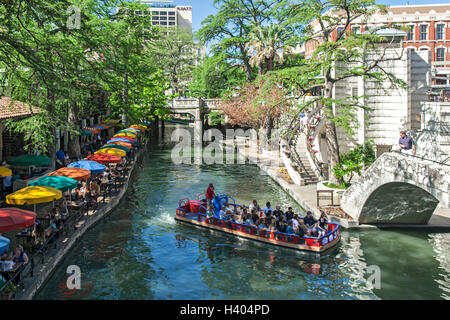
[195, 212]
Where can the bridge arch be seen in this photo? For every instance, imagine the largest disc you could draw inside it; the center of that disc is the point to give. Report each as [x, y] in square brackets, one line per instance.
[398, 189]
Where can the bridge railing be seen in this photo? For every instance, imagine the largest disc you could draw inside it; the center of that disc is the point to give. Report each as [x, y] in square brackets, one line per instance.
[444, 163]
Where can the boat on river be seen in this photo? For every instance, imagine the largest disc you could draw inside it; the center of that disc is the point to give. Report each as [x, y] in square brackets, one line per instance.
[194, 212]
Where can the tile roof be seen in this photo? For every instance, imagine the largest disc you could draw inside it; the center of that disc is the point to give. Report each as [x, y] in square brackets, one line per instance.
[13, 109]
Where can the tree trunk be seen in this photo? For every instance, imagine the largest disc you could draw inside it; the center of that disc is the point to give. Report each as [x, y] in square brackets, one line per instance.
[332, 148]
[74, 144]
[125, 99]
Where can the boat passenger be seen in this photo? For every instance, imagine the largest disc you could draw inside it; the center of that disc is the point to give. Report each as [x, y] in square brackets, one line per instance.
[261, 224]
[322, 226]
[255, 216]
[302, 230]
[295, 221]
[210, 194]
[289, 228]
[289, 214]
[268, 208]
[255, 206]
[309, 219]
[281, 224]
[278, 212]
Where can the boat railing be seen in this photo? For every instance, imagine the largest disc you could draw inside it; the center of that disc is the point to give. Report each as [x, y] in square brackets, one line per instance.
[183, 202]
[198, 196]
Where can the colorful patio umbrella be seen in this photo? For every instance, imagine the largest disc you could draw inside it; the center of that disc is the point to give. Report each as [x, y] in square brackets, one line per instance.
[74, 173]
[116, 146]
[138, 126]
[134, 133]
[101, 127]
[33, 195]
[134, 129]
[126, 138]
[121, 143]
[57, 182]
[29, 160]
[85, 133]
[113, 151]
[125, 134]
[4, 172]
[121, 140]
[14, 218]
[104, 158]
[94, 130]
[111, 121]
[93, 166]
[4, 245]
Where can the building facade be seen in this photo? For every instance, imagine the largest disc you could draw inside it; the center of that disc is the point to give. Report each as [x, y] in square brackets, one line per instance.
[168, 15]
[427, 28]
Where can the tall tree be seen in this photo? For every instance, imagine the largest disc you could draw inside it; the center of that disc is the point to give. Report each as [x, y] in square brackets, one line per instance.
[228, 30]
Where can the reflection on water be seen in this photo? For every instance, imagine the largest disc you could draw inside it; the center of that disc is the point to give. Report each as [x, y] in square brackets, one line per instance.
[140, 252]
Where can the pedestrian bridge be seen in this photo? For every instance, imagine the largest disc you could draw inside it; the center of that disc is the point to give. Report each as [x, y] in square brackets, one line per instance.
[398, 189]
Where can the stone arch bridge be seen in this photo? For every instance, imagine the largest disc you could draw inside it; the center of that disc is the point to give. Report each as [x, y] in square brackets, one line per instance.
[398, 189]
[196, 107]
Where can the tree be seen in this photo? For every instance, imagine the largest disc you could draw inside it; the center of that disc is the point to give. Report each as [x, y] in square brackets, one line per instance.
[177, 54]
[337, 57]
[268, 44]
[213, 77]
[229, 28]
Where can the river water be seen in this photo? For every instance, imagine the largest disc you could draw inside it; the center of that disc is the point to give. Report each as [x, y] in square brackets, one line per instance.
[140, 252]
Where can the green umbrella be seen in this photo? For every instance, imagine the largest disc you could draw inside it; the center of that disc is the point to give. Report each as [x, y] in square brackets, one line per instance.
[29, 160]
[57, 182]
[85, 133]
[116, 146]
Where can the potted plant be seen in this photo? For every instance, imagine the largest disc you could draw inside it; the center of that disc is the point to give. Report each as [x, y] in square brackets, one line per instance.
[9, 291]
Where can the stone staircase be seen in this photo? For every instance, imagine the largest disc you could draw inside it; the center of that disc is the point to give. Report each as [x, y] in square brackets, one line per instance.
[305, 169]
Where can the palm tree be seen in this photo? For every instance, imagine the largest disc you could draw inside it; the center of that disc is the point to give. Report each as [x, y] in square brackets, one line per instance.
[267, 44]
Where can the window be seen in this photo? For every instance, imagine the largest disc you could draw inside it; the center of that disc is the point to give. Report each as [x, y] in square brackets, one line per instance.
[155, 23]
[440, 31]
[162, 18]
[356, 29]
[155, 18]
[171, 23]
[410, 33]
[340, 30]
[423, 32]
[172, 18]
[171, 13]
[163, 23]
[163, 13]
[440, 54]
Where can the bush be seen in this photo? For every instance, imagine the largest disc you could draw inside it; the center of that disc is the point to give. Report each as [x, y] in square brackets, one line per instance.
[354, 162]
[216, 117]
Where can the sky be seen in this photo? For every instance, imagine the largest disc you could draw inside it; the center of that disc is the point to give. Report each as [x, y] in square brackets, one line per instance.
[203, 8]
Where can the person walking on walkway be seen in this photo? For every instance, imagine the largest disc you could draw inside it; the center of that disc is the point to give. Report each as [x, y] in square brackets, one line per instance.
[407, 143]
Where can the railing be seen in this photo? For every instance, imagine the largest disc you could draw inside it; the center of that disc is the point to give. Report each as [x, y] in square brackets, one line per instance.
[444, 163]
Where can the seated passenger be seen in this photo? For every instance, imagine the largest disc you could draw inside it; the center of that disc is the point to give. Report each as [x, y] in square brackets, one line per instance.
[261, 224]
[289, 228]
[255, 216]
[294, 221]
[302, 230]
[281, 224]
[254, 205]
[289, 214]
[268, 208]
[278, 212]
[309, 219]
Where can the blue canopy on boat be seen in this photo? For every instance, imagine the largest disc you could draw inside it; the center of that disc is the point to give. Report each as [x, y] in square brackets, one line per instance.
[93, 166]
[4, 245]
[218, 203]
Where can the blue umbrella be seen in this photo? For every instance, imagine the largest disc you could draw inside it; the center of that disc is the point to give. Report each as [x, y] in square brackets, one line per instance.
[4, 245]
[99, 126]
[120, 139]
[93, 166]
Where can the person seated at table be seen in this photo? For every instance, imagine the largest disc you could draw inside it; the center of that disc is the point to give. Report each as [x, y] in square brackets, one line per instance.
[63, 210]
[19, 256]
[94, 189]
[81, 192]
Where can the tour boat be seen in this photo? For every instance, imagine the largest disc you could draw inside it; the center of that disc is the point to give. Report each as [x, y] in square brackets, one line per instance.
[194, 212]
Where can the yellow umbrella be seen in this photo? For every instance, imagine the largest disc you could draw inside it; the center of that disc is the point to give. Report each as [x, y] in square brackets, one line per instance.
[33, 195]
[114, 151]
[4, 172]
[125, 134]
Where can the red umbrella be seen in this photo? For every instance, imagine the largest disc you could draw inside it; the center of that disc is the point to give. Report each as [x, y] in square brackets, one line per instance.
[104, 158]
[14, 218]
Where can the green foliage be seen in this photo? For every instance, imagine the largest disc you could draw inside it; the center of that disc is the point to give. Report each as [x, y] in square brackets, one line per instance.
[353, 162]
[216, 118]
[214, 76]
